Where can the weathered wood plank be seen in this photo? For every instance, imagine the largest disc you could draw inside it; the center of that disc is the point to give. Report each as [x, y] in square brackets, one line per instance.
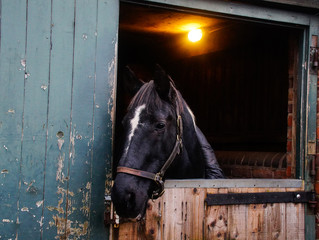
[275, 218]
[169, 214]
[12, 55]
[256, 219]
[193, 221]
[129, 231]
[295, 220]
[301, 3]
[80, 162]
[237, 217]
[240, 10]
[195, 213]
[104, 111]
[59, 142]
[216, 219]
[153, 226]
[35, 118]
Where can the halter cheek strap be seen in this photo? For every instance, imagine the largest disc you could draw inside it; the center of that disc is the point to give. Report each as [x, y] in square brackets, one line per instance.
[158, 177]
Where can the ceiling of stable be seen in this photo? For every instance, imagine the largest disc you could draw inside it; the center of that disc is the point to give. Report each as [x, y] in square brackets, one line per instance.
[155, 20]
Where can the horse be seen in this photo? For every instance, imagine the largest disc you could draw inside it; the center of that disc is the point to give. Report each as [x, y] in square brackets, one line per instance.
[162, 141]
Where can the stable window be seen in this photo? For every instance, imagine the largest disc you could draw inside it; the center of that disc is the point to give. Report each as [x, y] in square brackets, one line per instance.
[251, 82]
[242, 81]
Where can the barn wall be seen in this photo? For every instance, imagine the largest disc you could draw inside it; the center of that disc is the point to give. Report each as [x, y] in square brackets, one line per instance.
[57, 74]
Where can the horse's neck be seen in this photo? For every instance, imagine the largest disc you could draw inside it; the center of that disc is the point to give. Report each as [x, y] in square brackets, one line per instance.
[189, 164]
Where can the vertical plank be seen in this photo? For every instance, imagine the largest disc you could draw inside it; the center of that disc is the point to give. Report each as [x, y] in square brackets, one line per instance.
[178, 213]
[104, 111]
[194, 213]
[169, 214]
[216, 219]
[12, 72]
[153, 219]
[80, 161]
[128, 231]
[256, 219]
[58, 132]
[276, 224]
[275, 217]
[36, 64]
[295, 220]
[237, 218]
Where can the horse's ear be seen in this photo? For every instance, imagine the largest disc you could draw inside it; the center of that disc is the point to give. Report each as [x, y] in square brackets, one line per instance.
[131, 82]
[162, 82]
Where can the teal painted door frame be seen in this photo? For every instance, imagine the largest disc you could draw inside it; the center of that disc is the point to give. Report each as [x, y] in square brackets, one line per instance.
[58, 64]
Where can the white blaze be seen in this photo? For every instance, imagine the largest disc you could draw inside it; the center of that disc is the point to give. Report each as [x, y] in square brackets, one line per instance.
[134, 123]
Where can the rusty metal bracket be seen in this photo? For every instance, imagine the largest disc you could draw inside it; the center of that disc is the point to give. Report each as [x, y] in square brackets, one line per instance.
[110, 216]
[261, 198]
[314, 60]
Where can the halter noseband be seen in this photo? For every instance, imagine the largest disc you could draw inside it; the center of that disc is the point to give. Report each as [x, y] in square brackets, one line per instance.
[158, 177]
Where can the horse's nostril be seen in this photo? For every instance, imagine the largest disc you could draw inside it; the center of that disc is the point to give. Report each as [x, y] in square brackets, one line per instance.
[130, 197]
[130, 200]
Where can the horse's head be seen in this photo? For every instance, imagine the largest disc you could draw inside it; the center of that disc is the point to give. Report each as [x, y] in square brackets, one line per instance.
[152, 137]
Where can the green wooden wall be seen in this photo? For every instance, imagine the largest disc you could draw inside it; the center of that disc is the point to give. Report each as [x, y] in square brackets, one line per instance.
[57, 87]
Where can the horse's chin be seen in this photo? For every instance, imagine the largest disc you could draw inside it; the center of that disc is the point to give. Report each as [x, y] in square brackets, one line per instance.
[126, 209]
[131, 218]
[139, 218]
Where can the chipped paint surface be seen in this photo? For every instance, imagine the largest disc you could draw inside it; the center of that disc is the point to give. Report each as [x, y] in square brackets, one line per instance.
[44, 87]
[23, 63]
[39, 203]
[59, 172]
[67, 228]
[24, 209]
[60, 143]
[6, 220]
[43, 179]
[72, 145]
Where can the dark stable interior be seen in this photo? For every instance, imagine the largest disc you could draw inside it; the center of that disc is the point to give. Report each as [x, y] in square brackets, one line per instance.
[235, 79]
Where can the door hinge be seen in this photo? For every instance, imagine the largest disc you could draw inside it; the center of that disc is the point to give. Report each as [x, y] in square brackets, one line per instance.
[311, 148]
[314, 60]
[261, 198]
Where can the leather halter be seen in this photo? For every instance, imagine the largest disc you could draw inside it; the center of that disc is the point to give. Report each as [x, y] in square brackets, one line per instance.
[158, 177]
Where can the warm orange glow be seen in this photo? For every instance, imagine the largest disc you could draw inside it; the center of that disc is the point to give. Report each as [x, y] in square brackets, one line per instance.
[195, 35]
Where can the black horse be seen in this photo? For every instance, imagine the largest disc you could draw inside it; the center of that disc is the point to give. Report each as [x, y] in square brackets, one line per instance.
[162, 141]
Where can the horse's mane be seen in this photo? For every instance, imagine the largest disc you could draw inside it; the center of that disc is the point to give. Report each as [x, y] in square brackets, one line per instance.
[148, 95]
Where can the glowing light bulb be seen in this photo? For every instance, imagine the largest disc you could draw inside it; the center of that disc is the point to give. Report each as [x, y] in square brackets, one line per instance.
[195, 35]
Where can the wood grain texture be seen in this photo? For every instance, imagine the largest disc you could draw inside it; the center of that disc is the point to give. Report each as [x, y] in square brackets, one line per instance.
[237, 217]
[36, 83]
[182, 214]
[104, 112]
[59, 139]
[57, 71]
[12, 74]
[295, 220]
[216, 219]
[81, 125]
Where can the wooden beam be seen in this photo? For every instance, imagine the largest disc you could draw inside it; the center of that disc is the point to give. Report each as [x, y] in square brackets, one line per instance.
[301, 3]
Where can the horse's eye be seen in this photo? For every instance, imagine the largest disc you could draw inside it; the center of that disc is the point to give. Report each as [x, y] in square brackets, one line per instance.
[160, 125]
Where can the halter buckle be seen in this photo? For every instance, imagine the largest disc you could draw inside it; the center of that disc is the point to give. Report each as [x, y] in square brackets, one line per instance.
[158, 178]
